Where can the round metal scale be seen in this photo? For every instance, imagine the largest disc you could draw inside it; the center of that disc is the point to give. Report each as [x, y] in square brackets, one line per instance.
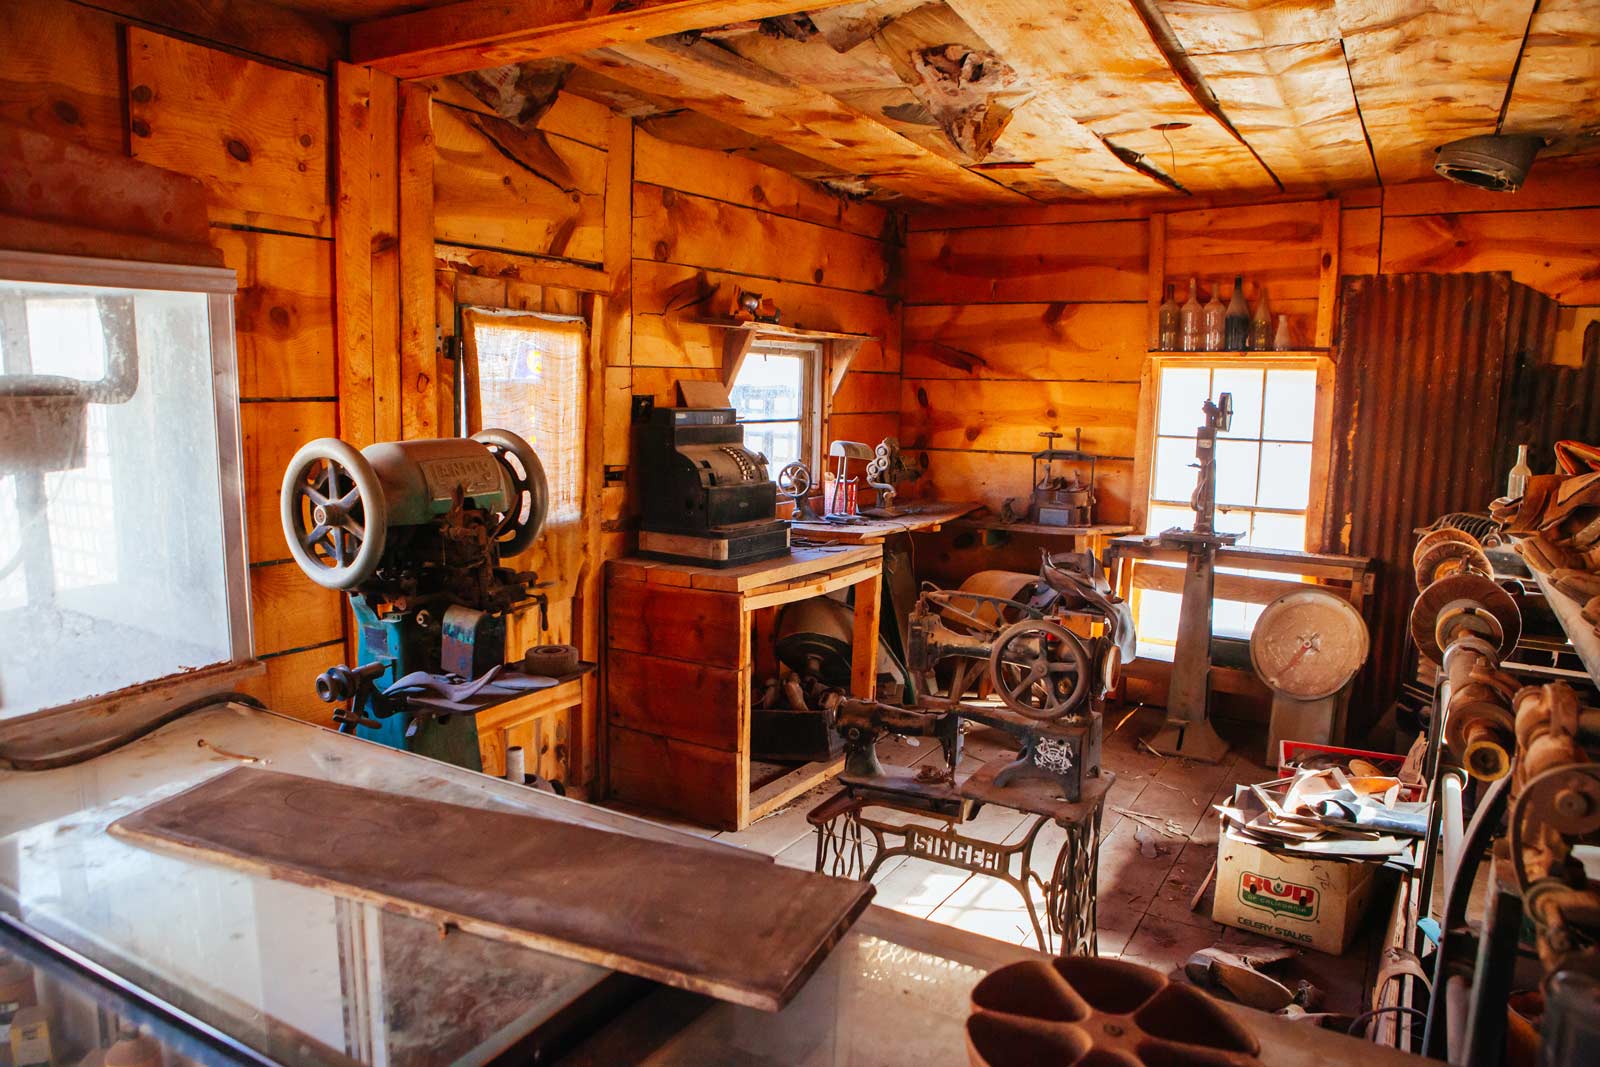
[1307, 645]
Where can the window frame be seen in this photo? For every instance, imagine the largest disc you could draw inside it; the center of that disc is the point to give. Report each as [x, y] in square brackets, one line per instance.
[811, 414]
[1149, 423]
[154, 696]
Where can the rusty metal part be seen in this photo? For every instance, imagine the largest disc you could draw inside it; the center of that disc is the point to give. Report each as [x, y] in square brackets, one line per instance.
[1478, 727]
[1440, 536]
[1464, 603]
[1083, 1010]
[1450, 557]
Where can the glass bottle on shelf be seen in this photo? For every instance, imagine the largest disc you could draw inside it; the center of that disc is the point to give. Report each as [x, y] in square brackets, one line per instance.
[1261, 325]
[1189, 319]
[1517, 480]
[1211, 321]
[1167, 323]
[1281, 341]
[1236, 323]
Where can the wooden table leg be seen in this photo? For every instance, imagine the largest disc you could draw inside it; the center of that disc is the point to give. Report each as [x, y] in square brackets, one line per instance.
[864, 638]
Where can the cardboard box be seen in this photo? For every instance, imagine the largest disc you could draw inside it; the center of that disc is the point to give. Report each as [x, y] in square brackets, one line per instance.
[1317, 903]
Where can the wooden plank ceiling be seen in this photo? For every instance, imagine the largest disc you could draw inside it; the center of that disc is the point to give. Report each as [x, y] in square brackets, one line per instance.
[1010, 102]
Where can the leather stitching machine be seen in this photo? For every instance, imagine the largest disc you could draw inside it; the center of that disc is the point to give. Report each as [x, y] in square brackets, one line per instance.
[1032, 677]
[414, 532]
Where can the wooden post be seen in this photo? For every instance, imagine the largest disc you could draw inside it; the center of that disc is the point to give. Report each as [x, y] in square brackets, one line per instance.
[1328, 279]
[419, 363]
[1156, 278]
[864, 636]
[352, 263]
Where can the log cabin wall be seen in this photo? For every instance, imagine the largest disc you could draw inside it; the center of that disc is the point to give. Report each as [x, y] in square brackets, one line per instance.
[361, 213]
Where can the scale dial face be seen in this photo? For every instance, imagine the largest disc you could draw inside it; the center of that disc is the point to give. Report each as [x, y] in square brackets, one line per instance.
[1308, 645]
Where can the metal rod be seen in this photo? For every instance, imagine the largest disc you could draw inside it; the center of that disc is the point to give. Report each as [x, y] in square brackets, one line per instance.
[1451, 821]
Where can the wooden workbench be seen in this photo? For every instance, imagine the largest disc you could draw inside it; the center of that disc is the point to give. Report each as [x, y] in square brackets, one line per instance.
[927, 517]
[679, 667]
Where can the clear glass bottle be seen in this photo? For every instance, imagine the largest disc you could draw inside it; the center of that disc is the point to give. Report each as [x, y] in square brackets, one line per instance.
[1189, 319]
[1167, 322]
[1261, 325]
[1211, 321]
[1281, 341]
[1236, 323]
[1517, 480]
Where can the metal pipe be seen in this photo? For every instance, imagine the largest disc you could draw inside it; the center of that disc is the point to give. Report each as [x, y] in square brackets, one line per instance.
[1457, 1007]
[1452, 821]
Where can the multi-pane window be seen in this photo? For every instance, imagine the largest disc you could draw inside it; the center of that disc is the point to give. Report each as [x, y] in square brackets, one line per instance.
[774, 396]
[1263, 471]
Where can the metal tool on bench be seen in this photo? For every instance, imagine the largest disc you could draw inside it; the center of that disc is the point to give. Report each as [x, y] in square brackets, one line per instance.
[1188, 730]
[707, 498]
[885, 471]
[1060, 499]
[414, 533]
[796, 482]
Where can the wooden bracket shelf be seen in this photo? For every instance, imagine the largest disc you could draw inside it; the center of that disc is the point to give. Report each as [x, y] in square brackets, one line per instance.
[740, 336]
[1246, 352]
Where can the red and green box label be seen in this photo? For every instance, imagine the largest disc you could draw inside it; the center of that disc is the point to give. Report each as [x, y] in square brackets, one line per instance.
[1278, 896]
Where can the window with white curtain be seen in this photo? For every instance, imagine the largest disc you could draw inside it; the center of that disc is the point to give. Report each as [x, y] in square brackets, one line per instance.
[529, 378]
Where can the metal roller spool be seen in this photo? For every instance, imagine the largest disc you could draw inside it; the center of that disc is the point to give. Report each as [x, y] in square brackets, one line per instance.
[1444, 558]
[1464, 602]
[1440, 536]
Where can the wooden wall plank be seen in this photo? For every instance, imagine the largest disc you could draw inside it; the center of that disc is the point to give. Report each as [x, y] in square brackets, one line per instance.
[667, 296]
[1553, 251]
[1008, 416]
[290, 611]
[273, 431]
[1054, 342]
[497, 186]
[258, 27]
[722, 176]
[1087, 262]
[386, 406]
[74, 93]
[1359, 234]
[256, 135]
[284, 313]
[868, 428]
[867, 391]
[1554, 184]
[683, 624]
[1277, 246]
[419, 364]
[674, 227]
[993, 477]
[353, 228]
[289, 686]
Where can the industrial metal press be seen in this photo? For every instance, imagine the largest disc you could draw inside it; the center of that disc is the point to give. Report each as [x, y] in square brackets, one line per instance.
[414, 533]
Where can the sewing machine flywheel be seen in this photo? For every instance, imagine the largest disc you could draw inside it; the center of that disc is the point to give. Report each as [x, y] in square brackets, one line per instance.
[1040, 669]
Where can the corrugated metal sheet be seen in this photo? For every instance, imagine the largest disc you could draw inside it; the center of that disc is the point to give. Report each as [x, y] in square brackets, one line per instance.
[1416, 408]
[1543, 402]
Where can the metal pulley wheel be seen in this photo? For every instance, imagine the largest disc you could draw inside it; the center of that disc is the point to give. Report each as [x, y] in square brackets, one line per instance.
[530, 503]
[1440, 536]
[1307, 645]
[335, 517]
[1464, 600]
[1040, 669]
[795, 480]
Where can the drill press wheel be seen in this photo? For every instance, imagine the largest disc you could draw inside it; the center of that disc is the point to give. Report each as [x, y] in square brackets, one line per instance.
[530, 492]
[335, 517]
[1040, 669]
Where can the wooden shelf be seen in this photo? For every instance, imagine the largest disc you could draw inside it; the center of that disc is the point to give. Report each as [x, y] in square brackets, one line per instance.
[1039, 530]
[840, 348]
[1249, 353]
[1579, 630]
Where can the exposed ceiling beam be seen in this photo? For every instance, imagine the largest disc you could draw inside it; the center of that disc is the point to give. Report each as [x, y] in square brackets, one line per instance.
[746, 96]
[477, 34]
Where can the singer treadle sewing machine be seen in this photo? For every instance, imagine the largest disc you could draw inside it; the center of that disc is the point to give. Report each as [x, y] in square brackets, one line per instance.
[414, 532]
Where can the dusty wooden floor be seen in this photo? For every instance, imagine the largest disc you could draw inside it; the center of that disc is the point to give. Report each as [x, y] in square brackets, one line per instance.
[1146, 878]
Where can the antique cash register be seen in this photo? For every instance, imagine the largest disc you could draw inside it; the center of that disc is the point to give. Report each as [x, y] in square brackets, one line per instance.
[706, 498]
